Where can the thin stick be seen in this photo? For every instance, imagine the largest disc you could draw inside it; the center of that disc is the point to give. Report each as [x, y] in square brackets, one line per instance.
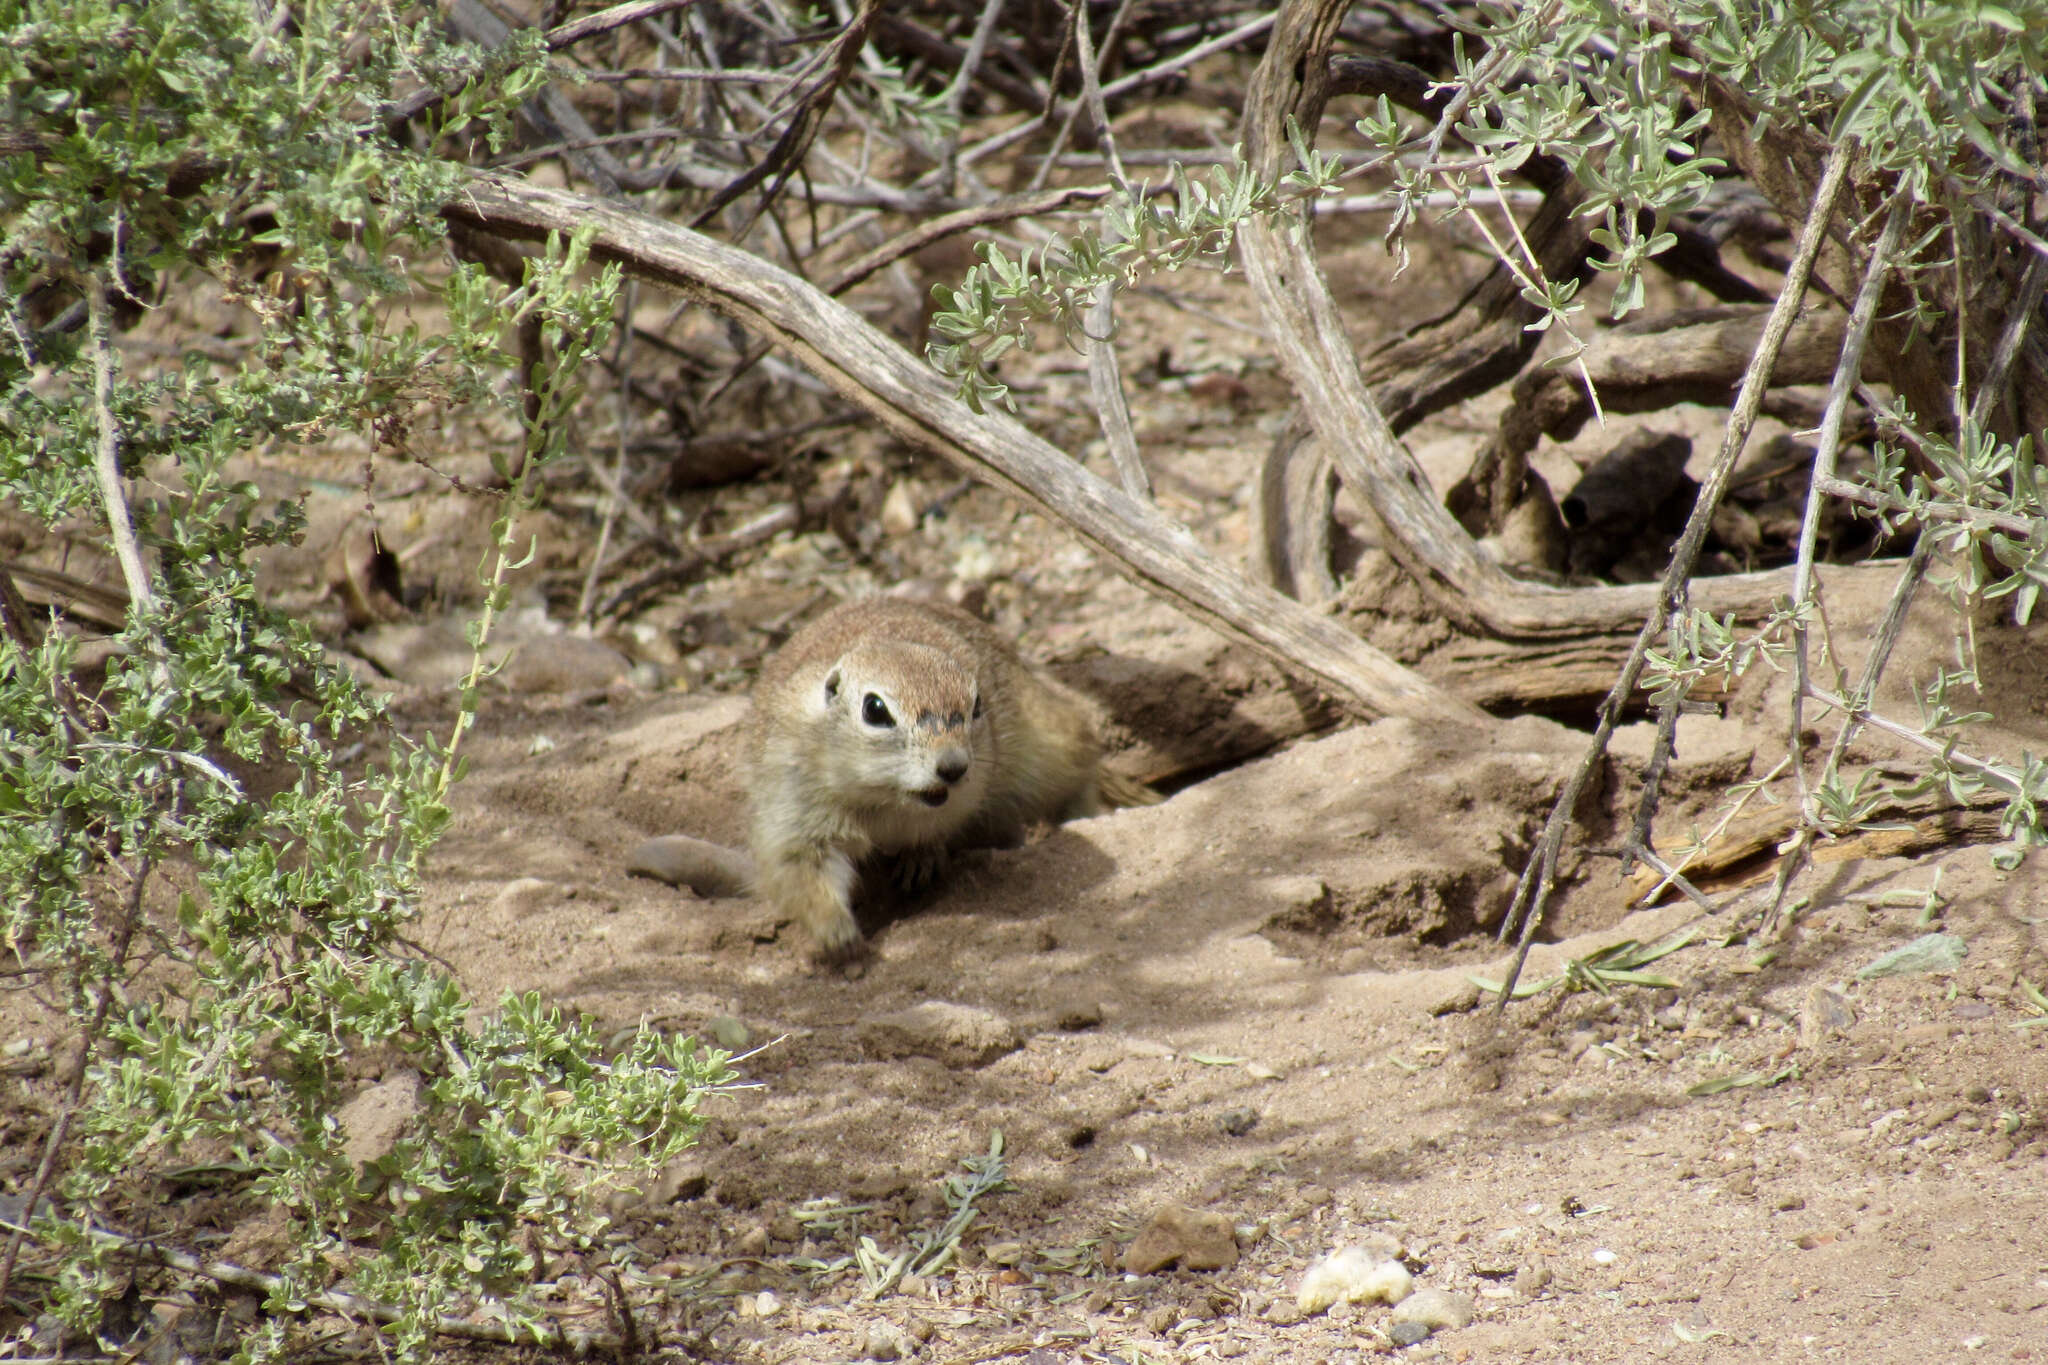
[1847, 371]
[1991, 385]
[558, 38]
[1638, 845]
[1673, 877]
[107, 458]
[615, 493]
[1862, 714]
[955, 94]
[742, 75]
[618, 16]
[1090, 98]
[19, 623]
[1017, 133]
[1539, 875]
[1105, 375]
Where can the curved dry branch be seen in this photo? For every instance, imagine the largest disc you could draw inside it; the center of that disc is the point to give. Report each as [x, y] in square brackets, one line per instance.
[868, 369]
[1470, 589]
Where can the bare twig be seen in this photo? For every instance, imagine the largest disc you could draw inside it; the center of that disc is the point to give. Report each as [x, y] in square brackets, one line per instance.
[1105, 375]
[551, 112]
[605, 20]
[1539, 874]
[787, 154]
[1919, 739]
[1848, 371]
[1991, 386]
[1090, 99]
[955, 94]
[1638, 844]
[558, 38]
[738, 75]
[709, 551]
[107, 460]
[1672, 877]
[615, 492]
[1136, 79]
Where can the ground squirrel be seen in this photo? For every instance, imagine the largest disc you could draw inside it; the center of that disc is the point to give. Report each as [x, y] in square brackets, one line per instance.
[896, 728]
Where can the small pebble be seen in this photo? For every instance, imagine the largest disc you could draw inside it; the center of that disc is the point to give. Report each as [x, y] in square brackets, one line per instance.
[1160, 1318]
[1237, 1122]
[752, 1242]
[1604, 1257]
[881, 1343]
[1407, 1333]
[766, 1305]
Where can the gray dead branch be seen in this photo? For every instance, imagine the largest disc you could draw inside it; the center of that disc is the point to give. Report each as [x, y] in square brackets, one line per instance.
[876, 374]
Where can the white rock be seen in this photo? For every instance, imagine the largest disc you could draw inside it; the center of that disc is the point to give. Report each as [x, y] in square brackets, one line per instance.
[1353, 1276]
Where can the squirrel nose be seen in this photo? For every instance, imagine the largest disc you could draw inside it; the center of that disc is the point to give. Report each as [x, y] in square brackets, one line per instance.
[952, 766]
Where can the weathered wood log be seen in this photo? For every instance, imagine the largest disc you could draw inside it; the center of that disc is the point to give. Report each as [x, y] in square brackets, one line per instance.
[875, 373]
[1694, 356]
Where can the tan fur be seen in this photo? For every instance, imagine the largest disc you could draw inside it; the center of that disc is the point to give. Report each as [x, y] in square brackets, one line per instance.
[981, 747]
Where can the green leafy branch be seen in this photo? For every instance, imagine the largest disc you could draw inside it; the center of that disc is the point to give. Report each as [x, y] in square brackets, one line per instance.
[998, 303]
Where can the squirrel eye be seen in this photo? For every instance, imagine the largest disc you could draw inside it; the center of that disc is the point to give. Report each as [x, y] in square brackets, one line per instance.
[875, 712]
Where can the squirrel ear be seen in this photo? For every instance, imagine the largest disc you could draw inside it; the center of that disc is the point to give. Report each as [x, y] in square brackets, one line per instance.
[832, 686]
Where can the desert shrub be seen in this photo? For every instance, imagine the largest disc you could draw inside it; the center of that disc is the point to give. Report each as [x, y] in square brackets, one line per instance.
[193, 871]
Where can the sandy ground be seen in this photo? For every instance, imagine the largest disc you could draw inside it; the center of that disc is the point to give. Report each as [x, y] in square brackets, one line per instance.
[1253, 1000]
